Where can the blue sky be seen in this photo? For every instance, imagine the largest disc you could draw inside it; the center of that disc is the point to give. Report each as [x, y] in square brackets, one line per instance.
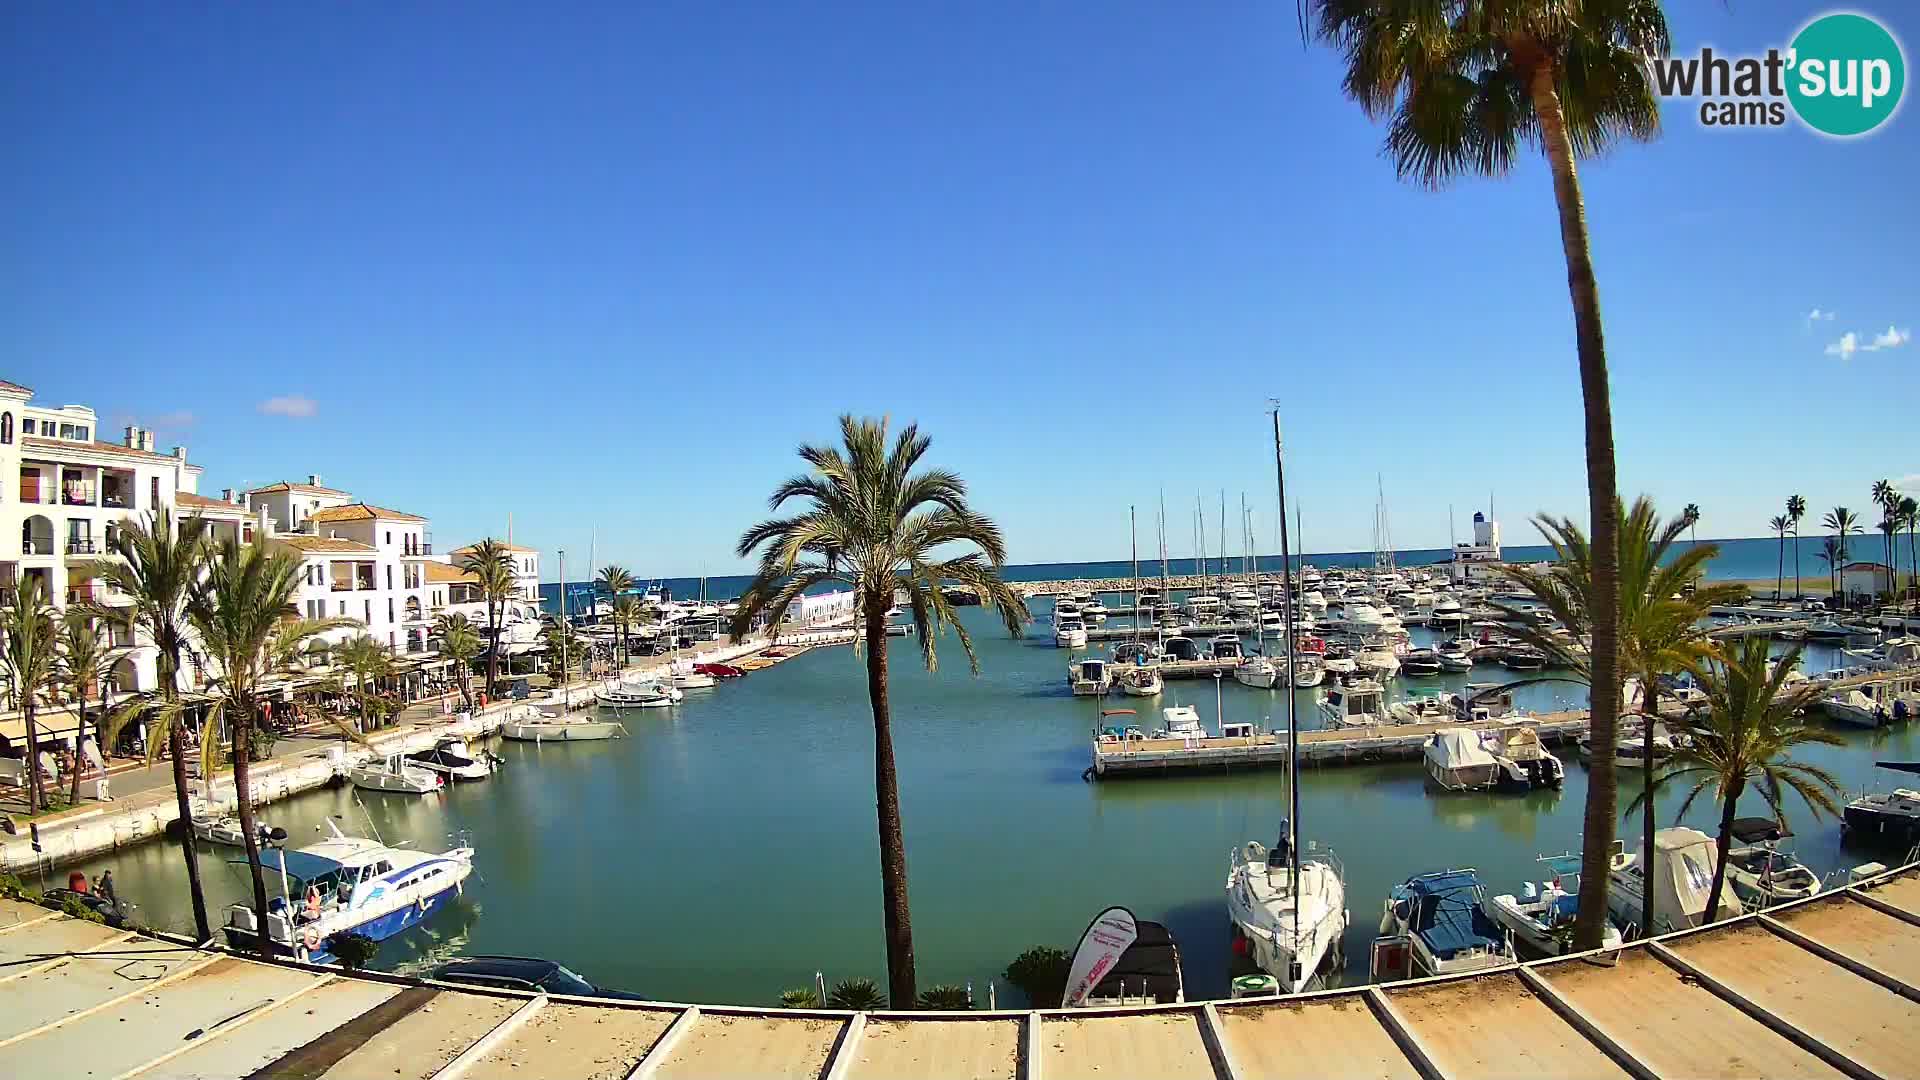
[604, 271]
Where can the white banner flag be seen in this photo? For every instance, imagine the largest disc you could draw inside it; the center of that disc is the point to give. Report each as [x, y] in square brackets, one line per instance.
[1111, 933]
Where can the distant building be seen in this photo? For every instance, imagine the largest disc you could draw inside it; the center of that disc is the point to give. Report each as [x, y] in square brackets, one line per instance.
[1866, 579]
[526, 569]
[1476, 558]
[358, 561]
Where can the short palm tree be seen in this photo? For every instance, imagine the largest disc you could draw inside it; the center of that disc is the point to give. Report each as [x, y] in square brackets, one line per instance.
[1834, 554]
[491, 565]
[368, 661]
[628, 613]
[243, 614]
[1780, 525]
[159, 562]
[869, 521]
[29, 665]
[459, 642]
[1843, 522]
[85, 656]
[1465, 85]
[1890, 531]
[1662, 605]
[1796, 510]
[615, 580]
[563, 647]
[1744, 738]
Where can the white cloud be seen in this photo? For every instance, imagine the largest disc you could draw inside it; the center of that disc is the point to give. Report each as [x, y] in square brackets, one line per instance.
[1892, 339]
[1848, 344]
[1909, 484]
[1816, 315]
[172, 421]
[298, 406]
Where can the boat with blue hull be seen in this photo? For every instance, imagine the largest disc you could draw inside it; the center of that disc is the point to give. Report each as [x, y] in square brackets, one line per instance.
[347, 885]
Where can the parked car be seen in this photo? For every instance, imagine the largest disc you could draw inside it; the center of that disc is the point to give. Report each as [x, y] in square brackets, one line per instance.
[523, 973]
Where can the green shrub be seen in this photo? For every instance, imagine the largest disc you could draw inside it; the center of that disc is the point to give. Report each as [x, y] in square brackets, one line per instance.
[860, 995]
[946, 998]
[354, 950]
[72, 907]
[800, 997]
[1041, 974]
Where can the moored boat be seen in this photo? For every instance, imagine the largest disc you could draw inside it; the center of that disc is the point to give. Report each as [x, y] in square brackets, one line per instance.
[1433, 924]
[1090, 677]
[1541, 917]
[396, 775]
[1682, 876]
[550, 727]
[453, 758]
[1760, 871]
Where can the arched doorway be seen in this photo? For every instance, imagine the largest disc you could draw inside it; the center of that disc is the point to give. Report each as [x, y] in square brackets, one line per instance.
[36, 535]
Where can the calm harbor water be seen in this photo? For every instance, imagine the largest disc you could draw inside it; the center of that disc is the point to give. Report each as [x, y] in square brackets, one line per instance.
[725, 850]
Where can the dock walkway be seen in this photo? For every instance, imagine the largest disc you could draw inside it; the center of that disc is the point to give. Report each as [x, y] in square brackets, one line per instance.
[1823, 987]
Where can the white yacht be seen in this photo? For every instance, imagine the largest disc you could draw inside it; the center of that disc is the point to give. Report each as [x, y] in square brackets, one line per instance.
[684, 676]
[1070, 634]
[1360, 703]
[1093, 612]
[1454, 655]
[1202, 606]
[1433, 707]
[346, 884]
[1140, 681]
[1457, 761]
[1682, 875]
[1090, 677]
[394, 774]
[1852, 707]
[1541, 917]
[1183, 722]
[1257, 672]
[1308, 672]
[225, 830]
[453, 758]
[627, 694]
[1434, 924]
[1292, 929]
[1629, 751]
[1760, 872]
[552, 727]
[1895, 652]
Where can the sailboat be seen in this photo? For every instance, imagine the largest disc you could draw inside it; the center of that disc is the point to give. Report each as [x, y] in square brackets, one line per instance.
[1256, 670]
[1288, 913]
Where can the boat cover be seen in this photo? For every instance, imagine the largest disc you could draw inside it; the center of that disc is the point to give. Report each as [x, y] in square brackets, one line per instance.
[1152, 962]
[1899, 766]
[1754, 830]
[1458, 748]
[1444, 909]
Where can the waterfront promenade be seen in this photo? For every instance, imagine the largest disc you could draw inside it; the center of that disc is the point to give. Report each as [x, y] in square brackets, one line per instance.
[144, 806]
[1828, 987]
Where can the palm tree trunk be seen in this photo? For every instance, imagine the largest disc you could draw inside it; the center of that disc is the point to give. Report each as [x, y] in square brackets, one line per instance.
[1603, 493]
[36, 792]
[177, 746]
[493, 647]
[886, 787]
[242, 790]
[1796, 562]
[1649, 708]
[79, 746]
[1721, 846]
[1780, 570]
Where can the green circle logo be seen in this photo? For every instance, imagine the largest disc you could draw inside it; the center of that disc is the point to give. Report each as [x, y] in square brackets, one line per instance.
[1846, 74]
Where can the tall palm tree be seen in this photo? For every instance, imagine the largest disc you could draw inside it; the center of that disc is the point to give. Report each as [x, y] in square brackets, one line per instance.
[1796, 510]
[459, 642]
[1466, 83]
[159, 562]
[615, 580]
[1691, 515]
[1662, 605]
[243, 613]
[1834, 554]
[1890, 530]
[492, 567]
[1910, 517]
[1887, 498]
[28, 667]
[367, 660]
[1842, 521]
[85, 655]
[1780, 525]
[871, 522]
[1744, 738]
[628, 613]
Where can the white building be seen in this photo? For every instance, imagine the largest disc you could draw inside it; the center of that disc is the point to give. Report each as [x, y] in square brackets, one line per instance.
[1473, 560]
[63, 495]
[1866, 579]
[526, 568]
[358, 561]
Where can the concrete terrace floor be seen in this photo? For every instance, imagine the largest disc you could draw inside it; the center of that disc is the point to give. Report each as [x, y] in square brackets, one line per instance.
[1826, 987]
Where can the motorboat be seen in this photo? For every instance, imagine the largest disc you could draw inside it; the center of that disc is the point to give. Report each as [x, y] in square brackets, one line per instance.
[1140, 681]
[1883, 817]
[1094, 612]
[225, 830]
[1454, 655]
[1180, 648]
[686, 675]
[1242, 601]
[1090, 677]
[551, 727]
[1338, 660]
[1853, 707]
[1434, 924]
[1182, 722]
[1146, 972]
[1202, 606]
[1630, 747]
[1877, 704]
[346, 884]
[1526, 763]
[1457, 761]
[1070, 633]
[1431, 708]
[1541, 917]
[1378, 660]
[1360, 703]
[1682, 876]
[1258, 672]
[453, 758]
[1064, 610]
[1760, 872]
[1308, 671]
[1523, 658]
[1227, 647]
[395, 774]
[1420, 663]
[640, 695]
[1289, 929]
[1834, 630]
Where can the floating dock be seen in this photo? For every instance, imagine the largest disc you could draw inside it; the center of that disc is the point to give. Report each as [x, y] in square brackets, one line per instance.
[1822, 987]
[1346, 746]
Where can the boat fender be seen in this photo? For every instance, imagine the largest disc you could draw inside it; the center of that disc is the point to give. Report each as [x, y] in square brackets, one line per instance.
[311, 938]
[1087, 776]
[421, 904]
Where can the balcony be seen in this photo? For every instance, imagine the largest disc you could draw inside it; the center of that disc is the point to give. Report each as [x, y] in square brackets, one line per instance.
[83, 545]
[115, 502]
[36, 547]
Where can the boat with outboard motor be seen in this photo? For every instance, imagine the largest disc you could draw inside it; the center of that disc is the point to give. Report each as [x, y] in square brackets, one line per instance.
[546, 727]
[1891, 818]
[1433, 924]
[346, 884]
[453, 758]
[640, 695]
[1089, 677]
[1760, 871]
[395, 775]
[1540, 919]
[1682, 875]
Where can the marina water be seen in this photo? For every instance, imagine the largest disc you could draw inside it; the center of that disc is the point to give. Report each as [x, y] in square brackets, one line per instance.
[725, 850]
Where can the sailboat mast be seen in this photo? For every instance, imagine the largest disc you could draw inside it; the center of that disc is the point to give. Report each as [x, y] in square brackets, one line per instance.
[1133, 531]
[1293, 729]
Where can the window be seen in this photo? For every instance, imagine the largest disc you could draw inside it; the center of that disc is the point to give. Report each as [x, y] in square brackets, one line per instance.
[82, 434]
[389, 537]
[66, 431]
[389, 571]
[390, 642]
[6, 427]
[389, 609]
[26, 425]
[154, 502]
[367, 609]
[343, 609]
